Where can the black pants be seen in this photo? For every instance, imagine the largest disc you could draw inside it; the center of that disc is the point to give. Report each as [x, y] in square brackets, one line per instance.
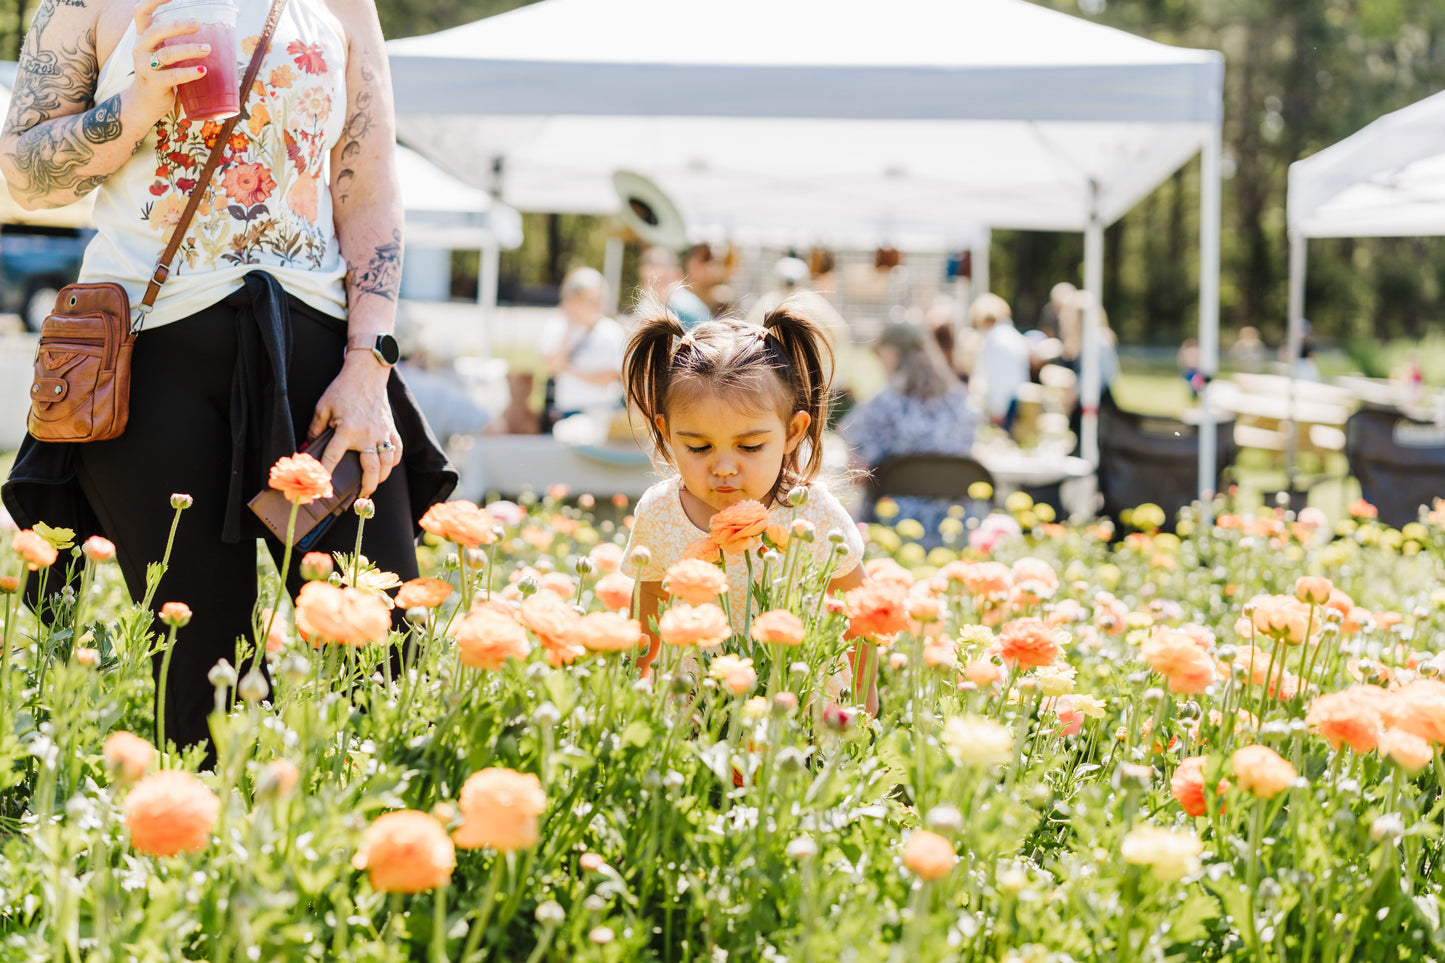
[179, 440]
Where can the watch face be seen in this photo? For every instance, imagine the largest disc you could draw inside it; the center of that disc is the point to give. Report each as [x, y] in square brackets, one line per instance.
[387, 349]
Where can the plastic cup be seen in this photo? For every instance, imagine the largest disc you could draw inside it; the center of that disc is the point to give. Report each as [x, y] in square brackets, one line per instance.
[217, 95]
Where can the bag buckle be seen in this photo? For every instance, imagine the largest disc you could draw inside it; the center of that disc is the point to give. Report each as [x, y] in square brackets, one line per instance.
[138, 318]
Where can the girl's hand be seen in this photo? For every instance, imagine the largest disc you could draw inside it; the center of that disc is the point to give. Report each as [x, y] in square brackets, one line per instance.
[357, 405]
[155, 86]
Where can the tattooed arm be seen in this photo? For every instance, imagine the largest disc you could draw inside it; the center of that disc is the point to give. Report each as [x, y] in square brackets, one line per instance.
[58, 144]
[366, 201]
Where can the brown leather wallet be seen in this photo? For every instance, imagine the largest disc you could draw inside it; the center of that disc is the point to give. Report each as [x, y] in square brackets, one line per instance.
[314, 517]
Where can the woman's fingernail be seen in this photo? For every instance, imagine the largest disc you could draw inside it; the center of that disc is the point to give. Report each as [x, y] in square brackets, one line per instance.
[202, 70]
[205, 49]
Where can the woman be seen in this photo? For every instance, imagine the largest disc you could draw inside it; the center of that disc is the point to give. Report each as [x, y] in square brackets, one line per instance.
[923, 408]
[583, 348]
[274, 323]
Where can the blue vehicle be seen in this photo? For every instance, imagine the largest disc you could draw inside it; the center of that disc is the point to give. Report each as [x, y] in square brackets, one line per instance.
[35, 263]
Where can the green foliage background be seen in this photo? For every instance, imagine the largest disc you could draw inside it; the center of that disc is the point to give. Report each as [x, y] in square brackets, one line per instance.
[1299, 76]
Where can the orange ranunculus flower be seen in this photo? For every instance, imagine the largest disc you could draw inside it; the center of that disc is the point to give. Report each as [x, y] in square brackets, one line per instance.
[982, 673]
[550, 618]
[736, 674]
[740, 527]
[1421, 709]
[703, 549]
[317, 566]
[1313, 589]
[1033, 580]
[778, 536]
[500, 809]
[1285, 617]
[887, 570]
[609, 632]
[1187, 785]
[940, 654]
[175, 614]
[559, 584]
[614, 590]
[877, 609]
[1406, 750]
[301, 478]
[99, 549]
[695, 581]
[929, 855]
[988, 580]
[778, 627]
[426, 593]
[606, 557]
[1178, 658]
[1363, 509]
[9, 583]
[1260, 771]
[32, 547]
[924, 608]
[1346, 718]
[1030, 642]
[461, 522]
[487, 638]
[170, 812]
[127, 756]
[344, 615]
[703, 626]
[406, 852]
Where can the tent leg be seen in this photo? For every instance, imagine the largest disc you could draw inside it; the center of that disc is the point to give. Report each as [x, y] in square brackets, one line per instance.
[612, 273]
[1208, 313]
[487, 297]
[1293, 342]
[1090, 382]
[978, 257]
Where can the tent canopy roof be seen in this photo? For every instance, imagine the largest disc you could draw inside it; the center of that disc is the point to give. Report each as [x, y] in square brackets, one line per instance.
[1386, 180]
[916, 115]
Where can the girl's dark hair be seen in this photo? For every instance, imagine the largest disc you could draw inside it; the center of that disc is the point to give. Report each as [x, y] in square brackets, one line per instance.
[786, 365]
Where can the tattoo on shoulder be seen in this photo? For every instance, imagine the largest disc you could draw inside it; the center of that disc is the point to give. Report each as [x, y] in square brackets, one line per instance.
[382, 276]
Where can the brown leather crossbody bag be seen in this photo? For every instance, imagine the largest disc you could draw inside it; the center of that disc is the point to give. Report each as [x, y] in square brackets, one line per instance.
[81, 388]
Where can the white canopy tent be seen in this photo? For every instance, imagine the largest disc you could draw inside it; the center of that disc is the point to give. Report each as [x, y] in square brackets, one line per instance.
[1386, 180]
[759, 113]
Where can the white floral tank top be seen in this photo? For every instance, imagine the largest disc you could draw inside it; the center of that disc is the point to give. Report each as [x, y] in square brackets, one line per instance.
[268, 206]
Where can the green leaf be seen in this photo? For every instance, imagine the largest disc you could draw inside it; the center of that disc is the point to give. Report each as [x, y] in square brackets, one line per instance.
[637, 733]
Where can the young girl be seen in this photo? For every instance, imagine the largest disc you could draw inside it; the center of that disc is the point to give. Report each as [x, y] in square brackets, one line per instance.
[738, 411]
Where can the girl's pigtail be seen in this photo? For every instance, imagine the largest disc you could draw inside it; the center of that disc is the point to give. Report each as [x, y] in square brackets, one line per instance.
[647, 365]
[810, 372]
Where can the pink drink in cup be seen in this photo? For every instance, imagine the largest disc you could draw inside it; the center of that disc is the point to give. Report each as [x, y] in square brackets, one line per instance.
[216, 95]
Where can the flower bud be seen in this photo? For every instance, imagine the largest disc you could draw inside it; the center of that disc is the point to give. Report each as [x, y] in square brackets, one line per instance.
[798, 496]
[181, 502]
[222, 676]
[641, 557]
[528, 586]
[1226, 654]
[944, 819]
[364, 508]
[1388, 828]
[277, 779]
[792, 761]
[836, 718]
[1133, 777]
[583, 565]
[418, 615]
[837, 537]
[86, 656]
[801, 848]
[591, 862]
[476, 558]
[253, 687]
[784, 704]
[550, 913]
[175, 614]
[1153, 696]
[601, 935]
[296, 668]
[99, 549]
[316, 566]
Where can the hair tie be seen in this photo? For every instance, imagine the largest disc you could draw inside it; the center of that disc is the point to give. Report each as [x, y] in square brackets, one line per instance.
[763, 333]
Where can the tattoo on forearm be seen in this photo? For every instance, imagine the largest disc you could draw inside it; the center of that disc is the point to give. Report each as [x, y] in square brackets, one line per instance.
[358, 125]
[51, 157]
[382, 276]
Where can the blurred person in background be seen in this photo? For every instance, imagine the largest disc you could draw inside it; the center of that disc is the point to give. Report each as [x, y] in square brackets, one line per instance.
[1071, 332]
[582, 349]
[1248, 353]
[660, 275]
[1059, 296]
[923, 408]
[1002, 362]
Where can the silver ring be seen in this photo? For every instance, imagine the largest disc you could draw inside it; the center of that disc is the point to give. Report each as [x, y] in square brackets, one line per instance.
[382, 446]
[155, 63]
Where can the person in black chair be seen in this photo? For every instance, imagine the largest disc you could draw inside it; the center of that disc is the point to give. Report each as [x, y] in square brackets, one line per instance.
[922, 408]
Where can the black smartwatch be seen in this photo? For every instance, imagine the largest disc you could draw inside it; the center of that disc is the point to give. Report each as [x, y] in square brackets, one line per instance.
[383, 347]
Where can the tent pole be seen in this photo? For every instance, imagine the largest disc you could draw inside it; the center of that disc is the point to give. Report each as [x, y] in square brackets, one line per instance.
[1208, 314]
[487, 295]
[978, 283]
[1293, 342]
[1090, 381]
[612, 273]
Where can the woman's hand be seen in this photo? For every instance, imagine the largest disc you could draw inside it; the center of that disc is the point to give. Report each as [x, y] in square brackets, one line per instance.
[356, 404]
[155, 86]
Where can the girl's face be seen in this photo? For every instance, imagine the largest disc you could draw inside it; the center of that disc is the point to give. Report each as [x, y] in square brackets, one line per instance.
[726, 454]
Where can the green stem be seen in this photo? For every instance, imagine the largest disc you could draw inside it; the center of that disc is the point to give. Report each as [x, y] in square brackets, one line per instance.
[484, 909]
[355, 550]
[439, 925]
[161, 690]
[12, 612]
[281, 587]
[165, 560]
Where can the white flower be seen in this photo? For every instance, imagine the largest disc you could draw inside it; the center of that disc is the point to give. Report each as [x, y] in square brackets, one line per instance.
[1171, 855]
[975, 741]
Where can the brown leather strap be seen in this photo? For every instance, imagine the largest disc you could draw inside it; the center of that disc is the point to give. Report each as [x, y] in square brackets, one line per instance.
[203, 180]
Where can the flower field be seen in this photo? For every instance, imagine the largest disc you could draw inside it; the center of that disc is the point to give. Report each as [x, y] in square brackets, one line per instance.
[1218, 745]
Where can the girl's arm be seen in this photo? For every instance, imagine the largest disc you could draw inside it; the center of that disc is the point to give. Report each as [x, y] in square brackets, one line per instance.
[58, 144]
[868, 681]
[649, 598]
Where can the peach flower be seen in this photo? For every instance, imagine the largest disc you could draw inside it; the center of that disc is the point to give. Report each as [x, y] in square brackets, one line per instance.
[301, 478]
[695, 581]
[739, 528]
[175, 614]
[127, 756]
[316, 566]
[1313, 589]
[32, 547]
[1187, 785]
[929, 855]
[1177, 657]
[425, 593]
[99, 549]
[606, 557]
[940, 654]
[487, 638]
[614, 590]
[554, 622]
[736, 674]
[877, 609]
[609, 632]
[1346, 718]
[887, 570]
[1030, 642]
[704, 549]
[1260, 771]
[559, 584]
[406, 852]
[1422, 709]
[1071, 719]
[1406, 750]
[170, 812]
[982, 673]
[461, 522]
[1285, 617]
[988, 580]
[344, 615]
[778, 627]
[500, 809]
[703, 626]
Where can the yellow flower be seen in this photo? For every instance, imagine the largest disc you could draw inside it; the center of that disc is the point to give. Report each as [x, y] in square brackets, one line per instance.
[1170, 855]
